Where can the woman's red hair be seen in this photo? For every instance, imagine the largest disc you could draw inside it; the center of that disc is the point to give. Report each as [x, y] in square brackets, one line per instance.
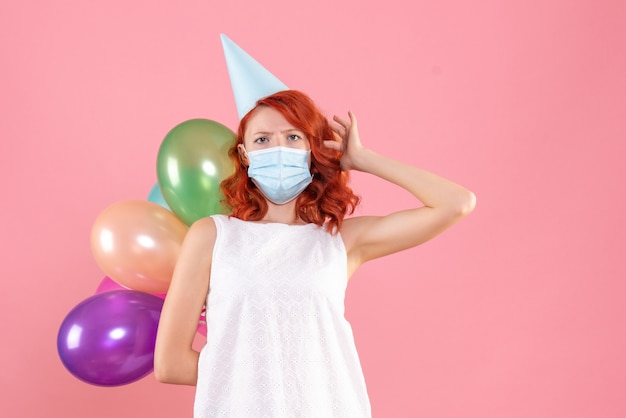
[328, 199]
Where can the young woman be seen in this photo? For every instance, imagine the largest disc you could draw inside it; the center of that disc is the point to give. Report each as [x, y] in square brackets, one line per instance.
[273, 274]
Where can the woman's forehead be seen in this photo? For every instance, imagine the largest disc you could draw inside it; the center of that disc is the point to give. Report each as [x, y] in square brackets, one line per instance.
[265, 119]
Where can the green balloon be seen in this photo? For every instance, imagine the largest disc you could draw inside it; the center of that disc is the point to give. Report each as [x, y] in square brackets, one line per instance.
[192, 161]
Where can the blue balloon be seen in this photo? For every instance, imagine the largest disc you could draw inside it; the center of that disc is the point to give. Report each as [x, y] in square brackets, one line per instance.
[156, 196]
[108, 339]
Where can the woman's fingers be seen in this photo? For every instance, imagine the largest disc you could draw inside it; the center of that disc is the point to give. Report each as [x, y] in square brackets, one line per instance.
[352, 119]
[335, 145]
[346, 126]
[342, 122]
[339, 130]
[337, 136]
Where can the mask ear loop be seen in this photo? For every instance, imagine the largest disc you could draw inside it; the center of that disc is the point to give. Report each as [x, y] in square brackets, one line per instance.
[315, 172]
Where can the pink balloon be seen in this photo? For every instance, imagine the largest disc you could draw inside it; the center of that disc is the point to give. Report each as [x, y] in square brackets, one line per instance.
[108, 285]
[202, 322]
[136, 243]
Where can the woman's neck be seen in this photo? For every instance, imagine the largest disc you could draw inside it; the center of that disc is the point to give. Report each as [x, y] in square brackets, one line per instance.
[285, 214]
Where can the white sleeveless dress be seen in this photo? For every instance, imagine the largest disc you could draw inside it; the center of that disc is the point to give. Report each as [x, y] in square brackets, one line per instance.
[278, 344]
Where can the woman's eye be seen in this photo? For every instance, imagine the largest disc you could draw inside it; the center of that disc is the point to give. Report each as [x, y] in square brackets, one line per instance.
[294, 137]
[261, 140]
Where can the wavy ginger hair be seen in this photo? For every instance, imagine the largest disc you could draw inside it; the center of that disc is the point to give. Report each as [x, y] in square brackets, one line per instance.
[328, 199]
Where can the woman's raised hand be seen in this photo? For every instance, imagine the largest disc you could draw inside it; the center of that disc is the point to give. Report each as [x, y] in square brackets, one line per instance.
[348, 142]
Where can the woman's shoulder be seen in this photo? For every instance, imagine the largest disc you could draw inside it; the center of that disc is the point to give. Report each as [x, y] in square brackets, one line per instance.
[202, 230]
[203, 223]
[352, 228]
[212, 221]
[354, 224]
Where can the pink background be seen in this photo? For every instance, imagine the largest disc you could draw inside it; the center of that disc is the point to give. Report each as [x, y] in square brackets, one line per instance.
[516, 312]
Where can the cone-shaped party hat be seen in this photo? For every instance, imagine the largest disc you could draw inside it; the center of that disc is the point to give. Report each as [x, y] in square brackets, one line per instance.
[249, 79]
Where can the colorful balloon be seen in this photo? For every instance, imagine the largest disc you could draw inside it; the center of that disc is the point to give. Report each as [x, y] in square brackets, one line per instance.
[156, 196]
[191, 163]
[202, 322]
[108, 339]
[136, 243]
[107, 285]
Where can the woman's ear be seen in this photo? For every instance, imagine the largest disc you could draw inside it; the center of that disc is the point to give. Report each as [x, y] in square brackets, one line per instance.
[243, 155]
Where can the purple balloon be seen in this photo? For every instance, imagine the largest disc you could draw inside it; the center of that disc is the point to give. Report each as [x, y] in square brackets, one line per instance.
[108, 339]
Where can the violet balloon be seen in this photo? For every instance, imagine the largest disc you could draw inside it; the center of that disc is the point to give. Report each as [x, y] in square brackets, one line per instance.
[108, 339]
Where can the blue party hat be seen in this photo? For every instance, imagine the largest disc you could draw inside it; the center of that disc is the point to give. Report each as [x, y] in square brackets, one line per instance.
[249, 79]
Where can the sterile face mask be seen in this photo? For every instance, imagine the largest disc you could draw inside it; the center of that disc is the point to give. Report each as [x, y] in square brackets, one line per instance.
[281, 173]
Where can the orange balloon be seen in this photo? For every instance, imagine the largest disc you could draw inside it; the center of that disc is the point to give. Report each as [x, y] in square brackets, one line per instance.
[136, 243]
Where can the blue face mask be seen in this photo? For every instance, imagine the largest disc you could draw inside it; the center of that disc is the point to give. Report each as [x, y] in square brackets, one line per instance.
[281, 173]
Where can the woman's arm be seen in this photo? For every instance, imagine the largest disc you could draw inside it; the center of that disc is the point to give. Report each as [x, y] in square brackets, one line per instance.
[369, 237]
[175, 361]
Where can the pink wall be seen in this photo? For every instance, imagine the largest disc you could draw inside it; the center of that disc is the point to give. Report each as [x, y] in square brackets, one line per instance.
[516, 312]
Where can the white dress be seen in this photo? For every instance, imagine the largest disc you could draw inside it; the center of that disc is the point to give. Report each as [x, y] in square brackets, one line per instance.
[278, 344]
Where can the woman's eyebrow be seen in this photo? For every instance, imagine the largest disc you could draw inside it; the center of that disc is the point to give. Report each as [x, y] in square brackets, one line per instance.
[282, 132]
